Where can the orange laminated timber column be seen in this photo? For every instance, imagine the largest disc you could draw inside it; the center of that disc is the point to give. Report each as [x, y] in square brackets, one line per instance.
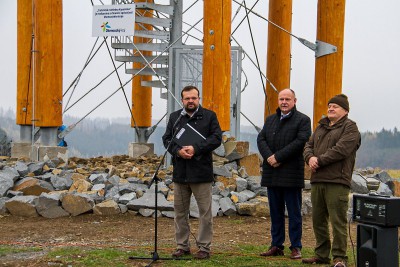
[329, 68]
[141, 95]
[278, 52]
[24, 64]
[217, 59]
[39, 74]
[48, 63]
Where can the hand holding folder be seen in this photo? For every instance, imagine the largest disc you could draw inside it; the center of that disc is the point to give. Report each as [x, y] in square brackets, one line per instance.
[187, 136]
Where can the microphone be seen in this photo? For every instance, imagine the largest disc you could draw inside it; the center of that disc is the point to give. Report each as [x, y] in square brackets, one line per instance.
[183, 113]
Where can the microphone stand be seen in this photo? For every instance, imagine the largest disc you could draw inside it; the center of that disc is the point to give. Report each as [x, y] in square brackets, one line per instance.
[155, 257]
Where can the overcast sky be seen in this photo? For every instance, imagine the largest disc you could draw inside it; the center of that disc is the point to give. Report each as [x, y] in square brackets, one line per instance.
[371, 71]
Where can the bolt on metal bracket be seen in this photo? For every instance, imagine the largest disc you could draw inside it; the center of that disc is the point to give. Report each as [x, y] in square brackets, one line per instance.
[320, 48]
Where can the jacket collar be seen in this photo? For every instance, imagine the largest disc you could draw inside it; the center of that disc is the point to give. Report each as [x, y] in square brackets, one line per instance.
[279, 113]
[325, 121]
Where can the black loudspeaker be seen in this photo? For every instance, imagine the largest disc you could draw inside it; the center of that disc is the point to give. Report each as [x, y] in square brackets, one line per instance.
[377, 246]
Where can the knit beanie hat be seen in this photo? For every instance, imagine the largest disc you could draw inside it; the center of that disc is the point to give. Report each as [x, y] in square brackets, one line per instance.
[341, 100]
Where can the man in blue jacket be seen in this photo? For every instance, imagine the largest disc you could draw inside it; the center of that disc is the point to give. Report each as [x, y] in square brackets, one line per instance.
[193, 170]
[281, 143]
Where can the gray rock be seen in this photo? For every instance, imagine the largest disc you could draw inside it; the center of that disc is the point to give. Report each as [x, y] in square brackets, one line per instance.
[231, 166]
[385, 178]
[306, 207]
[125, 198]
[227, 206]
[98, 198]
[3, 209]
[384, 190]
[253, 182]
[222, 171]
[6, 183]
[217, 188]
[134, 180]
[123, 208]
[36, 167]
[114, 180]
[225, 192]
[307, 185]
[241, 184]
[220, 151]
[240, 196]
[12, 193]
[168, 214]
[148, 201]
[358, 184]
[9, 173]
[24, 206]
[146, 212]
[46, 177]
[113, 193]
[61, 183]
[98, 187]
[22, 168]
[249, 194]
[160, 186]
[262, 191]
[49, 206]
[215, 207]
[127, 188]
[98, 178]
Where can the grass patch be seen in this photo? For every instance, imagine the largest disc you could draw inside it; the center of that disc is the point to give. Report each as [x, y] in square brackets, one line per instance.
[241, 255]
[394, 173]
[5, 250]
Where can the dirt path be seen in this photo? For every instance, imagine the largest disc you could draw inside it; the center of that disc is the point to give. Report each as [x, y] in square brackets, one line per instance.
[129, 231]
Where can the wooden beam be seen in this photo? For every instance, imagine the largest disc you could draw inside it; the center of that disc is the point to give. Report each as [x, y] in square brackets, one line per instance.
[217, 59]
[278, 52]
[48, 63]
[329, 68]
[24, 66]
[142, 95]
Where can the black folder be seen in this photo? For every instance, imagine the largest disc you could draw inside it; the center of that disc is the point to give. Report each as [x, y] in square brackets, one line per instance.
[188, 136]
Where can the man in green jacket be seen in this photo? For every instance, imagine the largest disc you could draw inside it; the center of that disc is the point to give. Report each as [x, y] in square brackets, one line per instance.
[330, 153]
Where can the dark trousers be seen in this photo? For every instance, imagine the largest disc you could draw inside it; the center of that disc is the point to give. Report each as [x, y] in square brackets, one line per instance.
[277, 198]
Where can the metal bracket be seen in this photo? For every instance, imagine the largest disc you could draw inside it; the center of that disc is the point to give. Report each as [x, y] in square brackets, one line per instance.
[320, 48]
[35, 132]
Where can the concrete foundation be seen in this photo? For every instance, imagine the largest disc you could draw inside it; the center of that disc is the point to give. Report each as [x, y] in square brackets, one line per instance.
[38, 152]
[140, 149]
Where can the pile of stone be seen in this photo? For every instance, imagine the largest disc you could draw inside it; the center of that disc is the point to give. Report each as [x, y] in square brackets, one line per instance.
[106, 186]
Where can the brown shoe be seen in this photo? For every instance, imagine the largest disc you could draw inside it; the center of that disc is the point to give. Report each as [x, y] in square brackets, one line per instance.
[296, 254]
[180, 252]
[273, 251]
[201, 255]
[339, 263]
[314, 260]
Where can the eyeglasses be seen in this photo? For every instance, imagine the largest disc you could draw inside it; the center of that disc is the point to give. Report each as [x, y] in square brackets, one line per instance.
[190, 98]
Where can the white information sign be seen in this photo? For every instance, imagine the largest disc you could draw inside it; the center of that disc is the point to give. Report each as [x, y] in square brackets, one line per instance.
[113, 20]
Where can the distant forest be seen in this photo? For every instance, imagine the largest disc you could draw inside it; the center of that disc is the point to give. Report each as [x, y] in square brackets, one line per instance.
[105, 137]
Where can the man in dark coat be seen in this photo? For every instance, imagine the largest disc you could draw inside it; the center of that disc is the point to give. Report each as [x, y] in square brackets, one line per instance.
[281, 143]
[193, 170]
